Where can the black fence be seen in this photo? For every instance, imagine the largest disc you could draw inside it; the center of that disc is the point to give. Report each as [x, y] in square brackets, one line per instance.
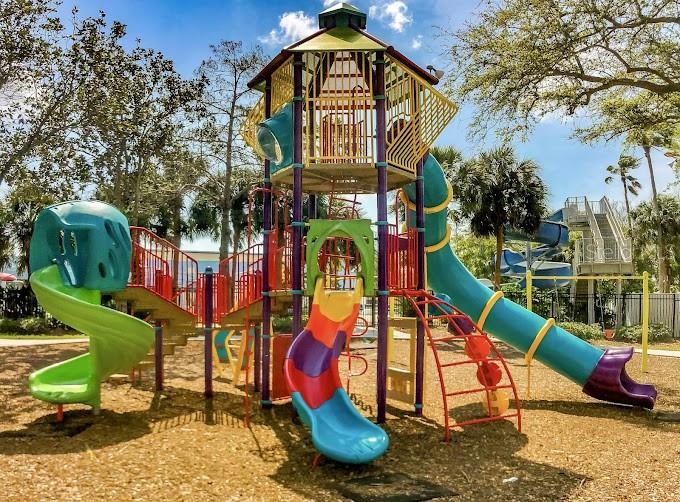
[609, 310]
[19, 303]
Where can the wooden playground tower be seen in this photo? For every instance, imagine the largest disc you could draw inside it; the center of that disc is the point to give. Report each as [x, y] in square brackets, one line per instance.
[341, 113]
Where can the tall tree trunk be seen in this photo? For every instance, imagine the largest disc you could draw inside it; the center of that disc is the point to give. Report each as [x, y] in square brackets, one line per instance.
[225, 230]
[500, 239]
[664, 286]
[630, 220]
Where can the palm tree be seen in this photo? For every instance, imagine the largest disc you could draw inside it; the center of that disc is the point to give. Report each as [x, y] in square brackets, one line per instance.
[647, 139]
[493, 190]
[630, 183]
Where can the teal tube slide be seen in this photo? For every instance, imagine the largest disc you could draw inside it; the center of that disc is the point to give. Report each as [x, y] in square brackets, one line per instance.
[568, 355]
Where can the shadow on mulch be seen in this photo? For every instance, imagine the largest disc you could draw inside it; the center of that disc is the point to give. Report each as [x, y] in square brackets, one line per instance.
[473, 464]
[631, 415]
[15, 367]
[82, 430]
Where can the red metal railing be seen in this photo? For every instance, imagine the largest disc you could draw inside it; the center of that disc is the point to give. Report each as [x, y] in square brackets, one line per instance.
[402, 250]
[402, 258]
[150, 271]
[339, 260]
[243, 271]
[219, 297]
[463, 331]
[182, 269]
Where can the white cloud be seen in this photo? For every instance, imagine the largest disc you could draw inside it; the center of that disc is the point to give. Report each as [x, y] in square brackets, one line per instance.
[395, 14]
[328, 3]
[293, 26]
[417, 42]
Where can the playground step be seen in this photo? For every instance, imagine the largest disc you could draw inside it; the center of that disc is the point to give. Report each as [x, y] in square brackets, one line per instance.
[236, 318]
[143, 300]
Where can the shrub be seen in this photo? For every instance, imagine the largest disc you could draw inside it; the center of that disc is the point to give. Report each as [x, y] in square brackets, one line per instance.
[34, 325]
[633, 334]
[582, 330]
[9, 326]
[26, 326]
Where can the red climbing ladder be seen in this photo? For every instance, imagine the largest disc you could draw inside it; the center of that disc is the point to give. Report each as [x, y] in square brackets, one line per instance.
[480, 352]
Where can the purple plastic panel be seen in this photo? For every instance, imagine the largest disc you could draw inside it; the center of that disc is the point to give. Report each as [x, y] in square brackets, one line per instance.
[311, 356]
[610, 382]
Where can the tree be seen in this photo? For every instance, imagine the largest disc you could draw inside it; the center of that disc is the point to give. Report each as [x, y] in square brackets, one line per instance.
[521, 60]
[449, 157]
[493, 190]
[631, 185]
[46, 71]
[642, 124]
[661, 224]
[226, 98]
[475, 253]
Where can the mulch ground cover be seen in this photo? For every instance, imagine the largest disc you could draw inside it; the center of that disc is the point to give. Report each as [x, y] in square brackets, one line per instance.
[175, 445]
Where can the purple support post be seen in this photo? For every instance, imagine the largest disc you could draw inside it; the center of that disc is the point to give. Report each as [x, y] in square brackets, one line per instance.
[158, 355]
[381, 165]
[420, 330]
[207, 332]
[311, 215]
[297, 222]
[263, 354]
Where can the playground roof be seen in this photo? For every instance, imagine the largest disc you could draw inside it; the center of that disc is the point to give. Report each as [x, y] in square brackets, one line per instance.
[341, 28]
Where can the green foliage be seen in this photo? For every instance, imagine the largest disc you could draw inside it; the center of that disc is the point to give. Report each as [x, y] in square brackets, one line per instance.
[633, 334]
[650, 226]
[582, 330]
[495, 189]
[476, 253]
[26, 326]
[521, 60]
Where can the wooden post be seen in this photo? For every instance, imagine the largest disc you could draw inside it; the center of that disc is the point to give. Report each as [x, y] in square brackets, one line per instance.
[207, 332]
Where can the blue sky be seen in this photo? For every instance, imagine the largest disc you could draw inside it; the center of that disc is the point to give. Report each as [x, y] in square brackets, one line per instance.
[183, 31]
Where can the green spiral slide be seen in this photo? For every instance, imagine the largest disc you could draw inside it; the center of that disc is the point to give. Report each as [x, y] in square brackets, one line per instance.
[78, 250]
[600, 373]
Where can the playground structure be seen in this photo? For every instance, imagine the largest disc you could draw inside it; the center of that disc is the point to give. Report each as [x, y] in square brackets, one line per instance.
[341, 113]
[601, 249]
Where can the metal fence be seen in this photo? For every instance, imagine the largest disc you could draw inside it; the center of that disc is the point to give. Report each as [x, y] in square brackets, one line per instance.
[610, 310]
[18, 303]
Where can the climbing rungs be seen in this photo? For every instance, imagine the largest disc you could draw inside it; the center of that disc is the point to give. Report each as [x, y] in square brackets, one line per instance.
[470, 361]
[479, 389]
[481, 420]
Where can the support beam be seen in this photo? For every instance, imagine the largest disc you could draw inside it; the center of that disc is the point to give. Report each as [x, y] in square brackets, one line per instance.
[158, 356]
[207, 332]
[297, 222]
[264, 355]
[420, 329]
[381, 165]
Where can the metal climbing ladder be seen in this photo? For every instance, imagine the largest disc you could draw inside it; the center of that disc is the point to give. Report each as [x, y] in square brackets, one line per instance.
[480, 352]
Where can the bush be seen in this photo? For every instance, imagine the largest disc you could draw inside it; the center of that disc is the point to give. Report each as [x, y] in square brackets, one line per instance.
[9, 326]
[633, 334]
[582, 330]
[34, 325]
[26, 326]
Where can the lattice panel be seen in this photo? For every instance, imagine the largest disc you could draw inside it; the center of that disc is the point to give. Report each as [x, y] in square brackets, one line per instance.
[339, 108]
[249, 126]
[282, 93]
[416, 114]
